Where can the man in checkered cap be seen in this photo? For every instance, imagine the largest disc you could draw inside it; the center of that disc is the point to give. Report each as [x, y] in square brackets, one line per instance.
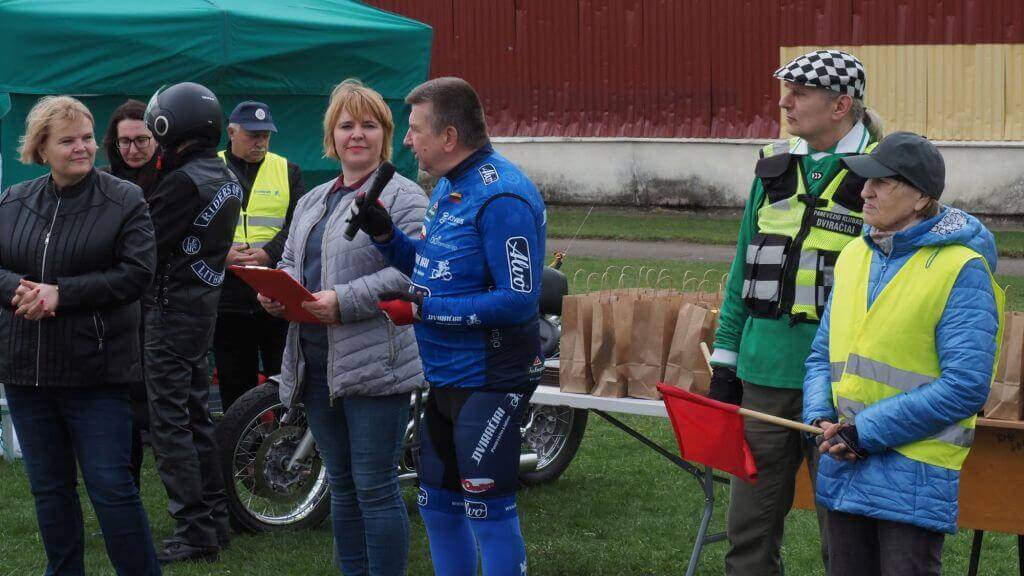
[804, 207]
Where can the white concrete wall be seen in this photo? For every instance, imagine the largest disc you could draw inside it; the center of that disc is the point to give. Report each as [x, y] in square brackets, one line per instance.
[982, 177]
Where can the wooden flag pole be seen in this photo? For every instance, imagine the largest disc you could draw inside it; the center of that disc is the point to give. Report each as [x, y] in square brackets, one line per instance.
[785, 423]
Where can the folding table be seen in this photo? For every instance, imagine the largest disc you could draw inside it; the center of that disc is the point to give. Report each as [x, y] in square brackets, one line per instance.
[705, 477]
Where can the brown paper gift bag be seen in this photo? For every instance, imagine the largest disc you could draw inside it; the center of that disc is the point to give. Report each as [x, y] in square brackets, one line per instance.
[574, 374]
[1004, 399]
[685, 366]
[654, 321]
[603, 350]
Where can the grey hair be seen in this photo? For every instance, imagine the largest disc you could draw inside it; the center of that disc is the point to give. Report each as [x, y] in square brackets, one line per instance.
[456, 104]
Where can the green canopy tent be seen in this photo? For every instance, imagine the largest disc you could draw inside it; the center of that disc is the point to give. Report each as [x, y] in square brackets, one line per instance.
[287, 53]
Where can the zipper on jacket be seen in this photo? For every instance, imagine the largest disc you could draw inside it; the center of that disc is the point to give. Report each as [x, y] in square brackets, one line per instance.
[42, 279]
[391, 341]
[298, 270]
[323, 281]
[101, 330]
[881, 276]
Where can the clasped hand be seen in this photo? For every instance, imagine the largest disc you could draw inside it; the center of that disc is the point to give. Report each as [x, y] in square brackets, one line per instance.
[836, 445]
[35, 301]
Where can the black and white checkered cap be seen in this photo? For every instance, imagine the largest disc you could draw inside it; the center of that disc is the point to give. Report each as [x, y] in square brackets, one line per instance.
[831, 69]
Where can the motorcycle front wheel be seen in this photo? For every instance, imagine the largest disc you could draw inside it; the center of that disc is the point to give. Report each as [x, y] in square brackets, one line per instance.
[255, 451]
[551, 434]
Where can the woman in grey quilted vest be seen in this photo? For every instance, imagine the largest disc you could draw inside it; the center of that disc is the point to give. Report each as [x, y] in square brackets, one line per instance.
[354, 373]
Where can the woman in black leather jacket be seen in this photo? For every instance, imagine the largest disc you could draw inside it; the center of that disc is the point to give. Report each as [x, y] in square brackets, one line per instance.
[76, 254]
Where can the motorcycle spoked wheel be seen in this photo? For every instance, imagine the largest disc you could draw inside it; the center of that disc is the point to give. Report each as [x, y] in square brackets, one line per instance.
[554, 434]
[263, 495]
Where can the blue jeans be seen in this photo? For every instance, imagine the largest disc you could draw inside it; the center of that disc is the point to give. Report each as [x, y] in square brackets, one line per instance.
[59, 429]
[360, 440]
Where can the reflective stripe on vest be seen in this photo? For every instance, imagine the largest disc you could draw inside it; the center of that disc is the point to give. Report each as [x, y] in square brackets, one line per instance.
[264, 215]
[890, 349]
[817, 237]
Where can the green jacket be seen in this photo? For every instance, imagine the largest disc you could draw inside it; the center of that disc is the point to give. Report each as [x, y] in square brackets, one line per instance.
[765, 351]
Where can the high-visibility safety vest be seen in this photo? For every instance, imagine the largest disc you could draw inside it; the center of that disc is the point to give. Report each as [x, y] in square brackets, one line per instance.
[790, 260]
[263, 217]
[890, 349]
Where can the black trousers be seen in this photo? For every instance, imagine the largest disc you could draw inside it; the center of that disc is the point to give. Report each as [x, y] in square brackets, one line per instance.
[181, 431]
[241, 343]
[862, 546]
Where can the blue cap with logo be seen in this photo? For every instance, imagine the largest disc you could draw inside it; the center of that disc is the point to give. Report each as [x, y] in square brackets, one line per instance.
[253, 116]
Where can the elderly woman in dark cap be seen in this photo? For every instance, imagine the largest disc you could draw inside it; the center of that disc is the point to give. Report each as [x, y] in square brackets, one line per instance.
[901, 365]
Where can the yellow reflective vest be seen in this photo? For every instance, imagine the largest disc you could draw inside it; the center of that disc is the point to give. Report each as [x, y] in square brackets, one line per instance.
[790, 260]
[264, 215]
[890, 349]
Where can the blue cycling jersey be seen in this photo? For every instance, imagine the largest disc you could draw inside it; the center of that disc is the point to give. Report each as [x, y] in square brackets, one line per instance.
[478, 264]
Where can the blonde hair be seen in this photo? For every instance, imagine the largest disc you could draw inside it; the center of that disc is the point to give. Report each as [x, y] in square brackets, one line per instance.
[360, 102]
[41, 119]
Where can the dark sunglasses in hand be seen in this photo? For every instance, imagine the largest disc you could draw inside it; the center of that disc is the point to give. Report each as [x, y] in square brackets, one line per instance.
[141, 142]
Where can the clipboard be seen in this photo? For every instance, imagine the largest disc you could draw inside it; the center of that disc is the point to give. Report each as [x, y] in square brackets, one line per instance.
[278, 285]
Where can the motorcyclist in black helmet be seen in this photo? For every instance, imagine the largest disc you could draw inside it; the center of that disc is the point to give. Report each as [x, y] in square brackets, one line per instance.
[194, 210]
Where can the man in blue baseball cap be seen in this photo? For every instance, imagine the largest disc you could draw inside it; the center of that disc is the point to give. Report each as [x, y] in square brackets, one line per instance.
[246, 336]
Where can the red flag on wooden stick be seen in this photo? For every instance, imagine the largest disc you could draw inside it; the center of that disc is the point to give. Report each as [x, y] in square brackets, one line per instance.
[709, 432]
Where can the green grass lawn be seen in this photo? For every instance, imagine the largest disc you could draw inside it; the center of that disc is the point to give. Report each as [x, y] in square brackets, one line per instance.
[698, 227]
[618, 510]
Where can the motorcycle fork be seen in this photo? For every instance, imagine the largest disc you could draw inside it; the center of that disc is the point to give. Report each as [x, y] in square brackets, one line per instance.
[303, 451]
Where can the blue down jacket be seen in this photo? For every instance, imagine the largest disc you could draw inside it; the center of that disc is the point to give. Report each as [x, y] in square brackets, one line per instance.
[888, 485]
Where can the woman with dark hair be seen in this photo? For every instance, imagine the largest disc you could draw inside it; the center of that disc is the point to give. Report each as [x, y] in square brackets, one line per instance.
[134, 156]
[130, 147]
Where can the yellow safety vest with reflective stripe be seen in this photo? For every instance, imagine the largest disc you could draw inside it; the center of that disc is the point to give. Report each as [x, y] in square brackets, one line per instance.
[817, 234]
[890, 349]
[263, 217]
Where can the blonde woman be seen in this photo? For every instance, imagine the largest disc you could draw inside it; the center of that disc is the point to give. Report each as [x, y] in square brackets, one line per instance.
[354, 373]
[76, 254]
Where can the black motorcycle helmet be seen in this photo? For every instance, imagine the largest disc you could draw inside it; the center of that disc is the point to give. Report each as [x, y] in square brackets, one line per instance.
[184, 111]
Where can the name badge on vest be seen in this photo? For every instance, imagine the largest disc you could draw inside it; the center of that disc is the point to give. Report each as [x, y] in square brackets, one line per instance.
[839, 223]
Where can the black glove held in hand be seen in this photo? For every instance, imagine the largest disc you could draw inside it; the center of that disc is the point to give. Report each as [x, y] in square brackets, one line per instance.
[371, 218]
[725, 385]
[848, 435]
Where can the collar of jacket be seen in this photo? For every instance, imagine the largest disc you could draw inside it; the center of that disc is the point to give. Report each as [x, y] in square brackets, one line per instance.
[853, 142]
[469, 162]
[249, 169]
[905, 241]
[73, 190]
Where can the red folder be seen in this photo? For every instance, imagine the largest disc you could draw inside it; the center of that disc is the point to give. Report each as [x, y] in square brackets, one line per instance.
[278, 285]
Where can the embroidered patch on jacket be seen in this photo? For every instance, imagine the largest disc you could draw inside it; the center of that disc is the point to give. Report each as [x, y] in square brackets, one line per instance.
[953, 221]
[226, 192]
[489, 174]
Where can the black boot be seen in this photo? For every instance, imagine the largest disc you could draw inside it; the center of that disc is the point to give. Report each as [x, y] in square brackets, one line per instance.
[181, 552]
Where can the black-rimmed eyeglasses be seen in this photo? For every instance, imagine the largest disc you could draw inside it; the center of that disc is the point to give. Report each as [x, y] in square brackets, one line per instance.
[141, 142]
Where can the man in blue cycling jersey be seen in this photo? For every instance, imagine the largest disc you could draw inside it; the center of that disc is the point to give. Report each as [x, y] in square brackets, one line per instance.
[475, 269]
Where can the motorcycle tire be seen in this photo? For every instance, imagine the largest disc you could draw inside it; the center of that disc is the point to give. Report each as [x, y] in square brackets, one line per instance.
[554, 433]
[251, 439]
